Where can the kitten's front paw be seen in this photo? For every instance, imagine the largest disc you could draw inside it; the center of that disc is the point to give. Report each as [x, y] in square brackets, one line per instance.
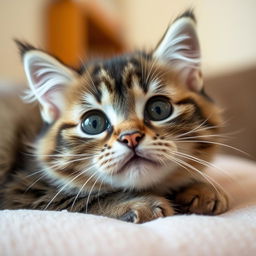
[146, 209]
[201, 198]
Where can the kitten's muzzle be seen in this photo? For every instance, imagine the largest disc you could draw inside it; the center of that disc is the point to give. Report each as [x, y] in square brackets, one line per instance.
[131, 139]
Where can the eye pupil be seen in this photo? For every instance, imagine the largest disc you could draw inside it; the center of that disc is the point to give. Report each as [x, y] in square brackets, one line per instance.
[158, 110]
[94, 124]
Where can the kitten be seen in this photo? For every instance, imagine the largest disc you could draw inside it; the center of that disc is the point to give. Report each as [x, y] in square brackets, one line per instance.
[119, 138]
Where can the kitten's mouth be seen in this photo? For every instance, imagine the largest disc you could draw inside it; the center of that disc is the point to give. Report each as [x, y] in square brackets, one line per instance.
[136, 160]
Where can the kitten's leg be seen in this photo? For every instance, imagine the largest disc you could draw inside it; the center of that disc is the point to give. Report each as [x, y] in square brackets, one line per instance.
[201, 198]
[126, 206]
[136, 209]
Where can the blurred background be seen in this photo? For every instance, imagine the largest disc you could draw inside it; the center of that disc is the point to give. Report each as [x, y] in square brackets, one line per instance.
[78, 29]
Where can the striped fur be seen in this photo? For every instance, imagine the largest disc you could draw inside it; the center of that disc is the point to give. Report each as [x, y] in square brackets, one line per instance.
[69, 169]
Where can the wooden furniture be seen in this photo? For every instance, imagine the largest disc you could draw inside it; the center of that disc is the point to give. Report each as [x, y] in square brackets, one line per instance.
[76, 29]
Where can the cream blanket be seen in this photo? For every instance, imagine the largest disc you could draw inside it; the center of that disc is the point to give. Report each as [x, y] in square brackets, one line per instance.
[26, 232]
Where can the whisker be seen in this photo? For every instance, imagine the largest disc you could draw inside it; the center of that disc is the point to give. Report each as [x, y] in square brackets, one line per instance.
[153, 63]
[57, 165]
[34, 173]
[180, 136]
[204, 136]
[202, 162]
[207, 164]
[111, 177]
[31, 185]
[64, 186]
[204, 175]
[156, 75]
[68, 162]
[82, 189]
[209, 179]
[184, 167]
[215, 143]
[196, 128]
[58, 155]
[98, 195]
[142, 68]
[88, 197]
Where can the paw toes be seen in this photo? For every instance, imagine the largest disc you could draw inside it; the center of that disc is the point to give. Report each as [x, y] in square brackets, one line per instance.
[221, 205]
[158, 212]
[210, 206]
[131, 216]
[195, 202]
[201, 201]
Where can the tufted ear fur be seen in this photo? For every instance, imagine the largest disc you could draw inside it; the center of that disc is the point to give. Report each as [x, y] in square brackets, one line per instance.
[180, 48]
[47, 78]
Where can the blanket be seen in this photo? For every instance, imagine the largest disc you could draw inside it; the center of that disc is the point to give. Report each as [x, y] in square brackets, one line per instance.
[27, 232]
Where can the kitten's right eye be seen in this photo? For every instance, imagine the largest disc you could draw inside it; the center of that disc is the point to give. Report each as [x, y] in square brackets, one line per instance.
[94, 122]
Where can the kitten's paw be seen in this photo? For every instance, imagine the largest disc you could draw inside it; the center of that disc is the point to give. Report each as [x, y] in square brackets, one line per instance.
[201, 198]
[147, 208]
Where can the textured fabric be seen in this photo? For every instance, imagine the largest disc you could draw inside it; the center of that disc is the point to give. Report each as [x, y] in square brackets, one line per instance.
[26, 232]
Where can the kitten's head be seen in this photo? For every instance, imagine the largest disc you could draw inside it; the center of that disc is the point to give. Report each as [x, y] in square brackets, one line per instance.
[125, 121]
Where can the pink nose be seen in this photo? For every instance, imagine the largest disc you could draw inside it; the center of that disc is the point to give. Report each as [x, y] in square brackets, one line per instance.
[131, 139]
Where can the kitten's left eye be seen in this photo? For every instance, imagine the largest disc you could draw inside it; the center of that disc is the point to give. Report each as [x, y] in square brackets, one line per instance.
[94, 122]
[158, 108]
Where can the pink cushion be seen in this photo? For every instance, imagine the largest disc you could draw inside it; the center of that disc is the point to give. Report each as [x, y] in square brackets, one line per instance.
[25, 232]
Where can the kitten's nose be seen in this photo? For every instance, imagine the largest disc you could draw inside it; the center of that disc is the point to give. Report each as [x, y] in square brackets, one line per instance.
[131, 139]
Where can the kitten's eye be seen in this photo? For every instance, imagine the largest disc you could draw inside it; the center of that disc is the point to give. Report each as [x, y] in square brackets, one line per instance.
[94, 122]
[158, 108]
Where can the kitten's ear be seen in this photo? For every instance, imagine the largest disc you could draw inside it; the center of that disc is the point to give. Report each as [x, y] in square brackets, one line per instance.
[48, 78]
[180, 48]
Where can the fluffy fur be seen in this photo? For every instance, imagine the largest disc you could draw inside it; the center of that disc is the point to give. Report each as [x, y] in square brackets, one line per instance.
[66, 168]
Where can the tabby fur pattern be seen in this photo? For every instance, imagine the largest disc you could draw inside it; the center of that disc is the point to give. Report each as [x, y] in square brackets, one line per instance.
[137, 168]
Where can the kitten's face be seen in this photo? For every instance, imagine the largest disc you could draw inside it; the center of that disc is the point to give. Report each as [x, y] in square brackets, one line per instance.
[123, 121]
